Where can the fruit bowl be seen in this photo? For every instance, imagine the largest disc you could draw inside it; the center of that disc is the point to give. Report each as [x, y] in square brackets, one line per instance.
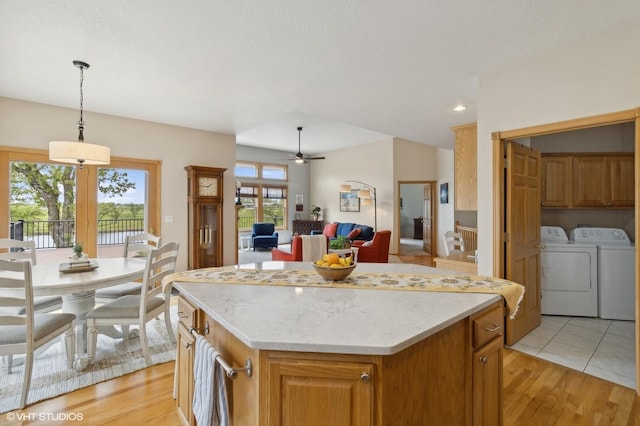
[334, 274]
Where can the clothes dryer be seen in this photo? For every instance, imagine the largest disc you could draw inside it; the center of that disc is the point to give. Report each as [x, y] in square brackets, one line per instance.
[616, 270]
[568, 275]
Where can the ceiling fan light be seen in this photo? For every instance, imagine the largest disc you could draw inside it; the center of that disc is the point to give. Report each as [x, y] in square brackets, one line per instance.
[345, 188]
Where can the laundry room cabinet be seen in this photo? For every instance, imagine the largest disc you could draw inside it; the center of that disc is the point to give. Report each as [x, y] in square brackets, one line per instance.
[603, 181]
[590, 180]
[556, 181]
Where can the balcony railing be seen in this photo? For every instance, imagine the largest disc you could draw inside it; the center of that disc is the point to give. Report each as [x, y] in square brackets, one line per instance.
[110, 231]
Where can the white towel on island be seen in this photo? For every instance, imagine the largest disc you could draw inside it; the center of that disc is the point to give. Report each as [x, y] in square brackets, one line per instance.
[210, 404]
[313, 247]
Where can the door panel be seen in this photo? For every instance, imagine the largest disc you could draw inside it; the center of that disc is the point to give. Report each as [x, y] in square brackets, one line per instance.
[427, 220]
[523, 188]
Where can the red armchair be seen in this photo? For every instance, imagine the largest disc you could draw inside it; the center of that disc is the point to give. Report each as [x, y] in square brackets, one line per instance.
[294, 256]
[376, 250]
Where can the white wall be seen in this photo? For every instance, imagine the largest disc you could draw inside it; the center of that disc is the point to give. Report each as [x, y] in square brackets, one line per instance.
[371, 164]
[446, 173]
[31, 125]
[598, 76]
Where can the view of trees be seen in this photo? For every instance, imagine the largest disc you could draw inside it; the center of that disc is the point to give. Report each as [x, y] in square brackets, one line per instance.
[48, 190]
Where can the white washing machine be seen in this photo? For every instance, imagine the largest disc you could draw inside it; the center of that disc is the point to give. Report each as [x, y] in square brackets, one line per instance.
[568, 275]
[616, 270]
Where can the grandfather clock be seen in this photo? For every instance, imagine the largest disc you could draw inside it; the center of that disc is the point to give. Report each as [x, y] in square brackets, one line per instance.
[205, 197]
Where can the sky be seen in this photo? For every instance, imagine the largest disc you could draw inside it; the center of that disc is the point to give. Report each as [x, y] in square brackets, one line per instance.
[136, 196]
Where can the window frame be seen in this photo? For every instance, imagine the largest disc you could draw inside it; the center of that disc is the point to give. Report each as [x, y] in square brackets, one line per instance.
[86, 191]
[260, 184]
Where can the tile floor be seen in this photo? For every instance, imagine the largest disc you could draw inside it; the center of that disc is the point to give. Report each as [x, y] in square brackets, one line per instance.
[598, 347]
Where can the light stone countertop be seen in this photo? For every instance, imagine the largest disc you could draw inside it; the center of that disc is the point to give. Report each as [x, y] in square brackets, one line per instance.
[333, 320]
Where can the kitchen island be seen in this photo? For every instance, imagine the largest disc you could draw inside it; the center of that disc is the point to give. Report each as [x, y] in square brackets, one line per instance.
[343, 356]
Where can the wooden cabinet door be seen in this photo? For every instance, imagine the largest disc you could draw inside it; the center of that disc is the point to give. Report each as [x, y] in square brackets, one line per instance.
[604, 181]
[589, 174]
[487, 384]
[556, 181]
[305, 393]
[620, 180]
[465, 159]
[184, 368]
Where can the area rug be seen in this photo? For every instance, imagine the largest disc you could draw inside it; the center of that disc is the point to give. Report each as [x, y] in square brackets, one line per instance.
[114, 358]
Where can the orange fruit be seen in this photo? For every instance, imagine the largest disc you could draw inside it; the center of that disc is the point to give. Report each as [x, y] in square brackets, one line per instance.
[333, 258]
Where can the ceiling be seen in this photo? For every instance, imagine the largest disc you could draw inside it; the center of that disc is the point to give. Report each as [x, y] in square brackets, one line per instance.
[348, 71]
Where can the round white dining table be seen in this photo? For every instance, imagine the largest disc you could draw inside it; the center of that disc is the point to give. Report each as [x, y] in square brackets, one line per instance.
[78, 291]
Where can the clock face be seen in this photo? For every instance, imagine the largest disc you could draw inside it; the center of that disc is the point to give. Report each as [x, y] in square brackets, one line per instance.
[207, 187]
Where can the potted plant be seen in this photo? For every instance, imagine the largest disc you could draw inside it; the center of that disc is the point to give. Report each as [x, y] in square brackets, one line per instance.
[77, 252]
[340, 243]
[315, 213]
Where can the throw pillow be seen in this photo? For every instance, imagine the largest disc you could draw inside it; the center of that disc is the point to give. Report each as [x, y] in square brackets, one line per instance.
[330, 230]
[354, 233]
[368, 243]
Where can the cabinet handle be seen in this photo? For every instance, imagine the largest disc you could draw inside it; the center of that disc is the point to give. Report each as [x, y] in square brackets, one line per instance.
[483, 359]
[496, 327]
[187, 345]
[182, 315]
[365, 377]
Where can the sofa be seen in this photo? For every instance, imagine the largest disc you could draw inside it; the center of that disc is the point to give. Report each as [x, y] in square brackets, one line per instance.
[263, 235]
[376, 250]
[351, 231]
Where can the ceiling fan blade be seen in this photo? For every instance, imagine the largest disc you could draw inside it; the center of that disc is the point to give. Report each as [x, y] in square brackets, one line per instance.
[314, 158]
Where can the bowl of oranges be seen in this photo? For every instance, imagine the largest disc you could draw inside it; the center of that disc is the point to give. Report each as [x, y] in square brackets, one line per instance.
[334, 267]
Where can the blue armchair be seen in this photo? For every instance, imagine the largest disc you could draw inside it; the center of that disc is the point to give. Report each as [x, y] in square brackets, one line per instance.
[263, 235]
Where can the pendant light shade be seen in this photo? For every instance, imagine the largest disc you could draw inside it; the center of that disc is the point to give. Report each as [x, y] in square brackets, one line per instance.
[79, 152]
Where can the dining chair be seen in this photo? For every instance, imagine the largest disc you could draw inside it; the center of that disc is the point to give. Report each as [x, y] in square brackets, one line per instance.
[23, 334]
[134, 246]
[26, 251]
[141, 308]
[453, 242]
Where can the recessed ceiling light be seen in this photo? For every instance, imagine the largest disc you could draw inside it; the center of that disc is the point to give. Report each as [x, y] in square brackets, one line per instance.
[459, 108]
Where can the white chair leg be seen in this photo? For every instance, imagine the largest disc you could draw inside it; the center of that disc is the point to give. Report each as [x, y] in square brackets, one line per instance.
[143, 343]
[125, 332]
[167, 321]
[7, 363]
[28, 367]
[92, 340]
[70, 346]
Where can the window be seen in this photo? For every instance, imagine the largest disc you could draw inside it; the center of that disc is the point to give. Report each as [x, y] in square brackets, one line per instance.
[78, 206]
[263, 198]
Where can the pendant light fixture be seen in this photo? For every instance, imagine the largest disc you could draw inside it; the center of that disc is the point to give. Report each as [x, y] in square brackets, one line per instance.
[79, 152]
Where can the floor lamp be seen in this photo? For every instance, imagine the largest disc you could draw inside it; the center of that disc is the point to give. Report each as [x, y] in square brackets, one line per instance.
[366, 196]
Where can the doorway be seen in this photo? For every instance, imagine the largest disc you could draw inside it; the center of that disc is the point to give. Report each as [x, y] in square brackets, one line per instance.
[417, 220]
[503, 205]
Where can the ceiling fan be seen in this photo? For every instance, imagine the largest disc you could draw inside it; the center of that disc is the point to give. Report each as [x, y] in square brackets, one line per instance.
[299, 158]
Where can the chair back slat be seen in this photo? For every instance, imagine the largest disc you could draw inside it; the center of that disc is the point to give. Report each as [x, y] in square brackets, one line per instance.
[17, 292]
[139, 245]
[160, 262]
[22, 250]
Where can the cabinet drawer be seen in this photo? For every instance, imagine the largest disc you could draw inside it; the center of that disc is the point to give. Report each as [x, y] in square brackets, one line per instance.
[487, 326]
[186, 313]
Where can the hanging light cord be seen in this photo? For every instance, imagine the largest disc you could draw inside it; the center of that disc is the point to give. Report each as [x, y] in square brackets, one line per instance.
[81, 122]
